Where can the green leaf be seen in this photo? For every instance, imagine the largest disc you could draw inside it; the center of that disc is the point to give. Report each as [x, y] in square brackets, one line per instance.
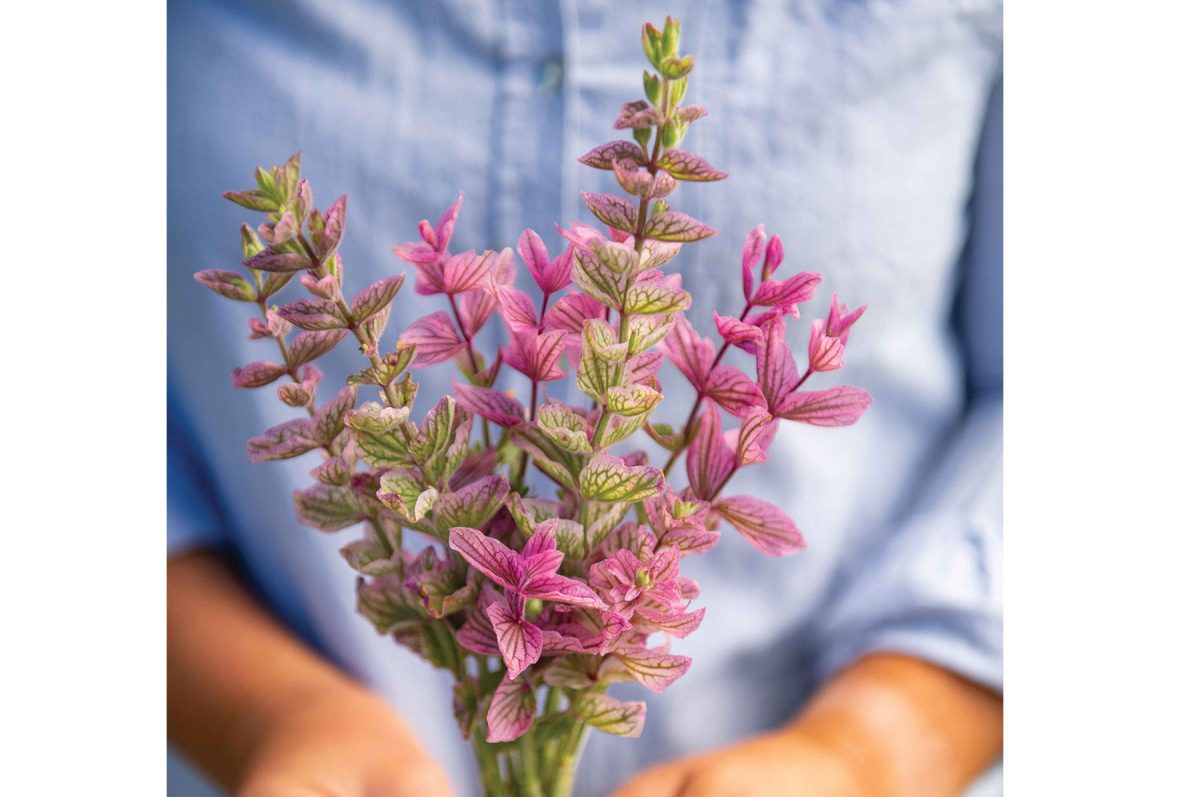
[602, 360]
[597, 280]
[671, 225]
[565, 427]
[647, 330]
[529, 513]
[609, 479]
[229, 284]
[328, 507]
[562, 466]
[617, 429]
[308, 346]
[471, 506]
[434, 434]
[635, 400]
[379, 435]
[370, 558]
[375, 297]
[330, 419]
[606, 713]
[387, 606]
[650, 299]
[568, 535]
[406, 494]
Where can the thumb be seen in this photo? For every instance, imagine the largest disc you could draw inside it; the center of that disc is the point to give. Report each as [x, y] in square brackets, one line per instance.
[664, 781]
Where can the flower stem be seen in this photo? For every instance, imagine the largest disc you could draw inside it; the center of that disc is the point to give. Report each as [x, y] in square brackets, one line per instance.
[689, 426]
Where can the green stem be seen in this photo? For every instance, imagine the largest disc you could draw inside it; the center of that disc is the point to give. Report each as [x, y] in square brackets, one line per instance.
[564, 779]
[531, 784]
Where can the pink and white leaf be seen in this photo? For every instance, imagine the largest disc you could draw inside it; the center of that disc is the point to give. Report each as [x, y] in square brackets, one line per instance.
[257, 374]
[612, 210]
[733, 390]
[671, 225]
[491, 404]
[767, 527]
[777, 374]
[435, 337]
[608, 714]
[688, 166]
[710, 460]
[288, 439]
[511, 712]
[519, 640]
[837, 406]
[653, 669]
[690, 353]
[489, 556]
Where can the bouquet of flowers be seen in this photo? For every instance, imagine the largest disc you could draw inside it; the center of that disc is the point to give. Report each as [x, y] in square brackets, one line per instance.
[536, 603]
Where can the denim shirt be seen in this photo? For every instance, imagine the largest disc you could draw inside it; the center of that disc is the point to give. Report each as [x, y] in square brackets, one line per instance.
[866, 134]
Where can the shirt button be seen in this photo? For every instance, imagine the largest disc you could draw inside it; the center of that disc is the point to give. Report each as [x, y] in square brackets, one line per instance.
[550, 74]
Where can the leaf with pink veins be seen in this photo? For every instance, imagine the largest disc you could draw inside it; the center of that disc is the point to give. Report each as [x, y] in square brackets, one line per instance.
[476, 308]
[752, 252]
[283, 441]
[435, 337]
[519, 640]
[767, 527]
[602, 156]
[257, 374]
[477, 634]
[733, 390]
[837, 406]
[777, 374]
[497, 407]
[571, 312]
[489, 556]
[788, 293]
[653, 669]
[673, 226]
[690, 353]
[774, 256]
[517, 310]
[688, 166]
[754, 436]
[512, 711]
[824, 351]
[468, 271]
[550, 275]
[738, 333]
[612, 210]
[444, 230]
[537, 356]
[710, 460]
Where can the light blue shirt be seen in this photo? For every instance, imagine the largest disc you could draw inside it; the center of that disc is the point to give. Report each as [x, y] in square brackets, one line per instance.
[867, 134]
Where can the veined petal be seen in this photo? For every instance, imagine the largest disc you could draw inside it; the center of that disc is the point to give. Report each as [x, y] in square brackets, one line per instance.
[520, 641]
[767, 527]
[511, 712]
[491, 557]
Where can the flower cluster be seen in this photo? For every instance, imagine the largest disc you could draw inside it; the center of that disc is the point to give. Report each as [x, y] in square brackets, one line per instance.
[537, 603]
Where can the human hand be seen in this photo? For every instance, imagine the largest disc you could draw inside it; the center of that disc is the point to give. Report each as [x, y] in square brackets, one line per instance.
[345, 743]
[786, 762]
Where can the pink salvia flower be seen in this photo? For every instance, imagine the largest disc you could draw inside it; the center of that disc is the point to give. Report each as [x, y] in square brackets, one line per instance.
[744, 335]
[824, 351]
[536, 355]
[752, 253]
[435, 337]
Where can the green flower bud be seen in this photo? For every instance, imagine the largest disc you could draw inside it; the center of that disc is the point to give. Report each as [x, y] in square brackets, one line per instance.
[653, 87]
